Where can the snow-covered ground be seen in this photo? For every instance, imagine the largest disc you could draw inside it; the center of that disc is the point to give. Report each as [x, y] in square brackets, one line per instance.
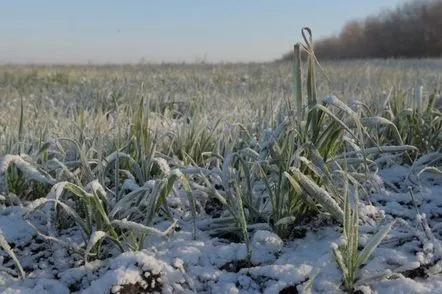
[179, 263]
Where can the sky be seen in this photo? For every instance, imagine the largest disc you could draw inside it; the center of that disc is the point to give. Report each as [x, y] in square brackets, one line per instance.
[132, 31]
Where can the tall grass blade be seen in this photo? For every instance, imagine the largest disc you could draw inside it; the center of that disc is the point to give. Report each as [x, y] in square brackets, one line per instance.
[5, 245]
[297, 81]
[373, 243]
[319, 194]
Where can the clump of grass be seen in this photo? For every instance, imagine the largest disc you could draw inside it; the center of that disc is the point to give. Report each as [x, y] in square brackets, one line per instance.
[15, 170]
[416, 118]
[306, 138]
[237, 196]
[347, 255]
[125, 225]
[349, 259]
[188, 141]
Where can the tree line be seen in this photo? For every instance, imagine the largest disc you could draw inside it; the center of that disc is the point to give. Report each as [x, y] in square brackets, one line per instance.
[411, 30]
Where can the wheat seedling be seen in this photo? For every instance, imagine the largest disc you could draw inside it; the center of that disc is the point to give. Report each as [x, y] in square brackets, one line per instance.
[347, 256]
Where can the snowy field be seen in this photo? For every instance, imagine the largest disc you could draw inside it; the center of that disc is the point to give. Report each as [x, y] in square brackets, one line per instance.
[222, 179]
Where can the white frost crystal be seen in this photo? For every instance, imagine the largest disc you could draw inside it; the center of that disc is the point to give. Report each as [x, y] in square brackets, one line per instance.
[162, 165]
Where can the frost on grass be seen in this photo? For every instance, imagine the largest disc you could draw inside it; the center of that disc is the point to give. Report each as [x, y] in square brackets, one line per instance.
[178, 263]
[30, 172]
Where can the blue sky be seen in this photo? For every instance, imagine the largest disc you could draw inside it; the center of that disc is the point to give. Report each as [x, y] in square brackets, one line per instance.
[100, 31]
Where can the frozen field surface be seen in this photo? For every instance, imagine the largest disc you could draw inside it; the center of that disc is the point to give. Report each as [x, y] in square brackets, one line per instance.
[179, 264]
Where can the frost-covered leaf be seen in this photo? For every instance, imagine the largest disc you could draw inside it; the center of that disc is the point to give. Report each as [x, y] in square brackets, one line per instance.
[4, 244]
[373, 243]
[94, 239]
[140, 228]
[30, 172]
[319, 194]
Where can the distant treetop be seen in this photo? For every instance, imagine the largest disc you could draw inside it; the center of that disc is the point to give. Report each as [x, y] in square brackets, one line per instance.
[412, 30]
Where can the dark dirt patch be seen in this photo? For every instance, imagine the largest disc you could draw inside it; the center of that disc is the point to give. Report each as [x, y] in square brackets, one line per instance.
[75, 287]
[152, 285]
[213, 207]
[397, 185]
[153, 282]
[405, 217]
[436, 216]
[230, 236]
[235, 266]
[289, 290]
[382, 202]
[298, 233]
[132, 289]
[292, 288]
[345, 290]
[419, 272]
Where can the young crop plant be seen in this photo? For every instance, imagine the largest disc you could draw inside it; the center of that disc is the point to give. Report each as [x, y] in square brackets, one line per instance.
[244, 206]
[126, 223]
[296, 153]
[311, 143]
[347, 255]
[416, 117]
[188, 141]
[15, 173]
